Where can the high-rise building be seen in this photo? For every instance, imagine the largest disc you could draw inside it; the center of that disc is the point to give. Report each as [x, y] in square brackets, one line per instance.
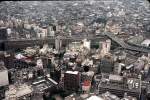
[106, 65]
[71, 80]
[50, 31]
[3, 36]
[108, 45]
[105, 47]
[58, 43]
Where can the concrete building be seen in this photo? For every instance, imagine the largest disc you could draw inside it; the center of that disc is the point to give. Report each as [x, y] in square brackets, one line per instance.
[39, 64]
[58, 43]
[87, 43]
[105, 47]
[3, 75]
[106, 65]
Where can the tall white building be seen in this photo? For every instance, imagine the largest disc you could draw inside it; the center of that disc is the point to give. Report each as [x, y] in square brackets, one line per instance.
[3, 75]
[105, 47]
[50, 31]
[108, 45]
[87, 43]
[39, 63]
[58, 43]
[9, 31]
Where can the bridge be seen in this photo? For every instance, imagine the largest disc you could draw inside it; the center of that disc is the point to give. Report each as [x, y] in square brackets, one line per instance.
[23, 43]
[127, 45]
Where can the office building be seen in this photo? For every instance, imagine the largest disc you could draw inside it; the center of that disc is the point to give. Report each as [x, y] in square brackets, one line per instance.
[71, 80]
[118, 85]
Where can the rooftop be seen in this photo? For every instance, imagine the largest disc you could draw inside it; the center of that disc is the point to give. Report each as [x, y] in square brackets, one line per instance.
[72, 72]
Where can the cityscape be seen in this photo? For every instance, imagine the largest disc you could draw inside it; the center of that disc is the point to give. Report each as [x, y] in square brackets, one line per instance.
[75, 50]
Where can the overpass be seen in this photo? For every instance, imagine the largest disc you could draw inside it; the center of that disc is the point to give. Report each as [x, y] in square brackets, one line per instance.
[23, 43]
[127, 45]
